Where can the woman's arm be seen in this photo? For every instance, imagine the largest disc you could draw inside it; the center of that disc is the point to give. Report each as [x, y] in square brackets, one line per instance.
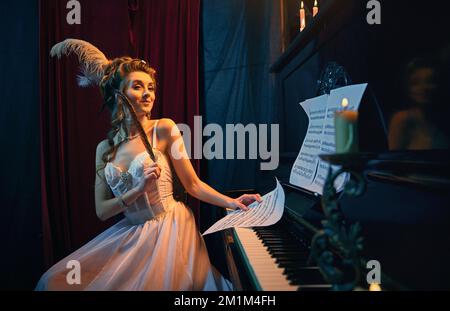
[106, 205]
[183, 167]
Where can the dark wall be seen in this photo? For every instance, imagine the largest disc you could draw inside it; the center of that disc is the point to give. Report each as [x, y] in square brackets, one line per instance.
[21, 258]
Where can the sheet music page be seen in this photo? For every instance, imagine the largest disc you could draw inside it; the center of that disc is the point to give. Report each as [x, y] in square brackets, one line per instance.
[264, 213]
[304, 169]
[308, 171]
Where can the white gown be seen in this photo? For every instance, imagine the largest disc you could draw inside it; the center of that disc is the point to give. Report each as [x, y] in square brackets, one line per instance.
[155, 247]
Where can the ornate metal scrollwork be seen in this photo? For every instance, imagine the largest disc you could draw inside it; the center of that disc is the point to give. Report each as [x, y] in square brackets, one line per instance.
[337, 246]
[332, 76]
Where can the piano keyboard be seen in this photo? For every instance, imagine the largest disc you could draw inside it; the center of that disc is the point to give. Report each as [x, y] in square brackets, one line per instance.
[266, 271]
[278, 260]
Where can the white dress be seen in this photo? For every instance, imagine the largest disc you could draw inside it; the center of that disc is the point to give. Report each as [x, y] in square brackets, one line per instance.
[155, 247]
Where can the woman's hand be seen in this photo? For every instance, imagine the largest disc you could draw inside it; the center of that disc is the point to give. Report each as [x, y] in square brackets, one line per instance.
[150, 174]
[244, 201]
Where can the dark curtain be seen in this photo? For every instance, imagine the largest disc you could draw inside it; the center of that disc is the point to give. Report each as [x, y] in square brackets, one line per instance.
[20, 224]
[163, 32]
[240, 39]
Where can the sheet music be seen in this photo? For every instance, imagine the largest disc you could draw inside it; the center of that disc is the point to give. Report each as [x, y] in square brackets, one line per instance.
[264, 213]
[308, 171]
[305, 167]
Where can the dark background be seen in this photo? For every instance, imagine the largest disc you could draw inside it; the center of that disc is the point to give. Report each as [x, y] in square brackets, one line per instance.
[377, 54]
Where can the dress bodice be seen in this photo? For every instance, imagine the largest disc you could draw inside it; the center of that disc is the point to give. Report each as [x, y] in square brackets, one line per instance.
[155, 202]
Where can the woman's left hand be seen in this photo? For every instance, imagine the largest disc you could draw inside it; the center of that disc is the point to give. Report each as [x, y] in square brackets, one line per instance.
[244, 200]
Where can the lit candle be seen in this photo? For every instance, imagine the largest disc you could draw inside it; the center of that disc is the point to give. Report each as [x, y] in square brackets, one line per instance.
[302, 17]
[315, 8]
[346, 129]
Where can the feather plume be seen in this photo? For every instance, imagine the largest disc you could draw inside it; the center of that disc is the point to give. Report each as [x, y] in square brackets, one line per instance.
[92, 61]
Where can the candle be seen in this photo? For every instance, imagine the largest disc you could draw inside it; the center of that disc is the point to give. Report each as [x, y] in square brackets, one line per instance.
[302, 17]
[346, 129]
[315, 8]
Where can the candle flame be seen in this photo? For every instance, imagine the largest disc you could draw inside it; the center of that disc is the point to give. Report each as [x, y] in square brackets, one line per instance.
[301, 5]
[344, 103]
[315, 2]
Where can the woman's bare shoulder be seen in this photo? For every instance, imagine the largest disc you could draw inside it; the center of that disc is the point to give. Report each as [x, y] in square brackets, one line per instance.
[405, 116]
[165, 126]
[165, 123]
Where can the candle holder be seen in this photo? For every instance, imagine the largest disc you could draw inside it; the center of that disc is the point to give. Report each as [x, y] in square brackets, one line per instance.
[336, 248]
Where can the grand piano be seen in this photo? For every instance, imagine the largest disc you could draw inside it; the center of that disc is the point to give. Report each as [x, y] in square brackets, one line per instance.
[400, 215]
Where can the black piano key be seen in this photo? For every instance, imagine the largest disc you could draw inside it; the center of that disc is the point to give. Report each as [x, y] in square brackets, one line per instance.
[285, 252]
[308, 269]
[305, 277]
[293, 255]
[273, 237]
[281, 247]
[306, 280]
[291, 264]
[284, 245]
[281, 241]
[291, 260]
[287, 249]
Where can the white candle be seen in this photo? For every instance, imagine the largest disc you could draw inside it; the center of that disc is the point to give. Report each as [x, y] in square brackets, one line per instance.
[302, 17]
[315, 8]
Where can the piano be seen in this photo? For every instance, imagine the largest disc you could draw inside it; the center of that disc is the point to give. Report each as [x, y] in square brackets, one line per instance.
[403, 211]
[405, 223]
[276, 257]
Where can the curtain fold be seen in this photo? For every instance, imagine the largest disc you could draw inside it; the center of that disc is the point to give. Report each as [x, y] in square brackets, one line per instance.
[240, 39]
[70, 123]
[168, 33]
[20, 224]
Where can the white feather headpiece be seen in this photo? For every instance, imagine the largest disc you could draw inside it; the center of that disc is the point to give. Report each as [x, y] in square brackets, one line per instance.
[92, 61]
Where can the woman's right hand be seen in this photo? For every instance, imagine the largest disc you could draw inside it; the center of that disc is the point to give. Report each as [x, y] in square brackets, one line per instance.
[150, 175]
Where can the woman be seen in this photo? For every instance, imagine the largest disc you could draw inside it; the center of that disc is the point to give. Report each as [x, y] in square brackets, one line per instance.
[157, 245]
[424, 125]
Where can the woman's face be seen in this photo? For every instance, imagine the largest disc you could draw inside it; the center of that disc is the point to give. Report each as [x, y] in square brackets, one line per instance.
[422, 85]
[140, 90]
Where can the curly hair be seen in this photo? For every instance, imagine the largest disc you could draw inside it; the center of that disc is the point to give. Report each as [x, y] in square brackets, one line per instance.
[111, 88]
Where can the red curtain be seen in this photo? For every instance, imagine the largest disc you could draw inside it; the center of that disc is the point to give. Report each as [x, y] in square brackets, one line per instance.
[165, 33]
